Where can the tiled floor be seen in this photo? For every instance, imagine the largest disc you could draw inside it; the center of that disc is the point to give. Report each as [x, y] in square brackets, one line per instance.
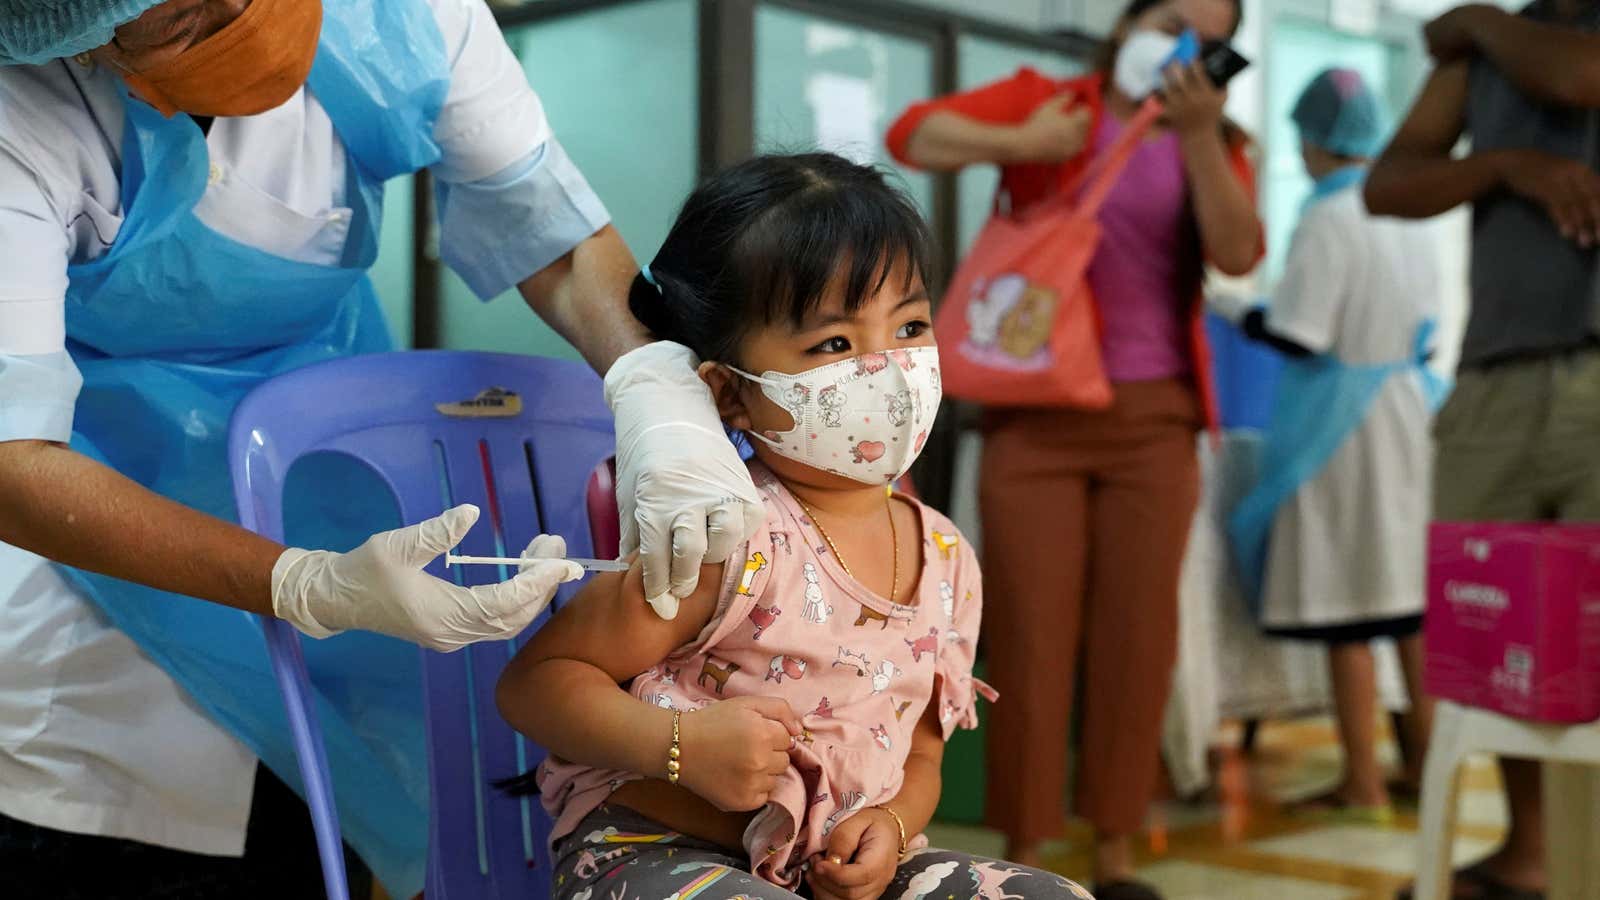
[1239, 842]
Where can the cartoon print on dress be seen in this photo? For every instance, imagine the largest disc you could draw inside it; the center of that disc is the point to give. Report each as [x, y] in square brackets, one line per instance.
[987, 879]
[868, 614]
[928, 880]
[954, 637]
[850, 804]
[900, 711]
[754, 564]
[946, 543]
[899, 407]
[832, 401]
[717, 673]
[785, 666]
[880, 736]
[928, 644]
[780, 540]
[854, 659]
[886, 672]
[947, 600]
[817, 609]
[589, 862]
[824, 709]
[763, 617]
[663, 701]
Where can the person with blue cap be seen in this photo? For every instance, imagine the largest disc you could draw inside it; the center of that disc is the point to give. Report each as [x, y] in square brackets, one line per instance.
[190, 198]
[1330, 544]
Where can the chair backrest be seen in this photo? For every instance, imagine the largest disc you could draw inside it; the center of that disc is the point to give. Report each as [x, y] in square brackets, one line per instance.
[431, 427]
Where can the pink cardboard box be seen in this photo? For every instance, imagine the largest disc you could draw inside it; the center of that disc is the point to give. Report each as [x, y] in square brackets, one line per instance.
[1513, 622]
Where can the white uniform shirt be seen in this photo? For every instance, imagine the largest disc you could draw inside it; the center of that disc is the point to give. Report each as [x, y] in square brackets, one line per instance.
[94, 737]
[1349, 546]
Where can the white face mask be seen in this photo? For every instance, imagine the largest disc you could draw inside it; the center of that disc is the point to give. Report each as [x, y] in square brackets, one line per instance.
[1139, 61]
[865, 418]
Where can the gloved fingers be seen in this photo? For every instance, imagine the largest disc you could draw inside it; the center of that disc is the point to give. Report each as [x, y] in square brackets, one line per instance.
[629, 534]
[420, 544]
[509, 606]
[724, 531]
[655, 556]
[688, 551]
[545, 546]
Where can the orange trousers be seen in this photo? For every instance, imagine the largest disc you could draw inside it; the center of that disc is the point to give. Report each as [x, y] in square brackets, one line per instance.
[1085, 519]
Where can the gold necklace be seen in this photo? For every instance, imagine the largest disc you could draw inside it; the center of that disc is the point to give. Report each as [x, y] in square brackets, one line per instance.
[894, 536]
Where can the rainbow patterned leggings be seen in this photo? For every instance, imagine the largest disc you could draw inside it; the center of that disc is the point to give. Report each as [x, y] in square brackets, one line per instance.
[618, 854]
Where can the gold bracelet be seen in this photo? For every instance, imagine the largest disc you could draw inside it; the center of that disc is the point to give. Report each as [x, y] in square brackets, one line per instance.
[898, 823]
[675, 752]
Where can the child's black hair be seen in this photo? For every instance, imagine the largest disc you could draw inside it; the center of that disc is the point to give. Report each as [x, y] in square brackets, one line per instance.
[765, 240]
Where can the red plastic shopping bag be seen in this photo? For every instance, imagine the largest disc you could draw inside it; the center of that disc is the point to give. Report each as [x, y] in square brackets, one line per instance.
[1018, 326]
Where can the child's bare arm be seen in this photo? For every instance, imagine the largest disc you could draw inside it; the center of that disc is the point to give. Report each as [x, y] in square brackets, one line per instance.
[564, 691]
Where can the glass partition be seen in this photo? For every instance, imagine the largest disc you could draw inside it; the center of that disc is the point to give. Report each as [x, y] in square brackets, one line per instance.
[620, 88]
[825, 83]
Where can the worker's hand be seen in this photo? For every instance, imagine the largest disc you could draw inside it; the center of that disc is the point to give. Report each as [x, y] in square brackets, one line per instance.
[380, 586]
[1056, 131]
[685, 496]
[1452, 36]
[1193, 101]
[862, 857]
[1567, 189]
[734, 751]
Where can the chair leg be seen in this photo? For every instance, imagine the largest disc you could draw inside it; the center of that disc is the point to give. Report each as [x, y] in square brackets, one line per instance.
[288, 664]
[1572, 850]
[1440, 780]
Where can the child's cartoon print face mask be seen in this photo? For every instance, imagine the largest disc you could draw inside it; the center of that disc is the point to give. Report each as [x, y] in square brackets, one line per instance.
[865, 418]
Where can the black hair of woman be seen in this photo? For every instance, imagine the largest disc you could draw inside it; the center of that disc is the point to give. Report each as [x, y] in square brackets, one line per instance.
[766, 240]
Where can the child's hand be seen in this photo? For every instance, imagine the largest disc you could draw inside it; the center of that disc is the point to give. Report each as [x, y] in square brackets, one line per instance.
[863, 854]
[735, 750]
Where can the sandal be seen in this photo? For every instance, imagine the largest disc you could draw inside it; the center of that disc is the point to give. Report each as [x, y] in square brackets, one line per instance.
[1332, 809]
[1483, 884]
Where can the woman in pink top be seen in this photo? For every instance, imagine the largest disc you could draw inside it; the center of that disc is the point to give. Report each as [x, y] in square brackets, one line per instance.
[1086, 514]
[786, 727]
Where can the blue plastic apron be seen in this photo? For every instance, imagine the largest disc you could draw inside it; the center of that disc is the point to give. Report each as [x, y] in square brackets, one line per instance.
[1320, 402]
[176, 322]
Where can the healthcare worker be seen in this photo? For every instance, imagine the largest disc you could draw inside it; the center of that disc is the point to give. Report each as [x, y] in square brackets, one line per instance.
[190, 195]
[1331, 542]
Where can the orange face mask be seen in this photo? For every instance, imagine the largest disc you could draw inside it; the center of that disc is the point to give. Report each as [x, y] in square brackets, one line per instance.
[254, 64]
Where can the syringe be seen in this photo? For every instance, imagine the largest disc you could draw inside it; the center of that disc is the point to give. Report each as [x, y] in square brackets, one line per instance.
[588, 565]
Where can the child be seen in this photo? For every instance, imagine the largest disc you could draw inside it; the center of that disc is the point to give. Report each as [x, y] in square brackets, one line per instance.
[788, 724]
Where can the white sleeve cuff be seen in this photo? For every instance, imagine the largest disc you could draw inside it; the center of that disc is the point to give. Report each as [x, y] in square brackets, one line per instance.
[33, 327]
[498, 231]
[37, 396]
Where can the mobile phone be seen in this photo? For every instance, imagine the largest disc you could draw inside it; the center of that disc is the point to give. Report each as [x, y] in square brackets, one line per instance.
[1222, 62]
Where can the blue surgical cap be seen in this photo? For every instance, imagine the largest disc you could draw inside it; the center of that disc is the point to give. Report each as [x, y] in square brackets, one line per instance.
[37, 31]
[1340, 114]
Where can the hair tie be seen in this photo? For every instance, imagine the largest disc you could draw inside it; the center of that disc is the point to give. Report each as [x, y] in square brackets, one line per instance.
[650, 279]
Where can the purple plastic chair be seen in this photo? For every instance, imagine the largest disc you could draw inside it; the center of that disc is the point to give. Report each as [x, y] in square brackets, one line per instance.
[530, 472]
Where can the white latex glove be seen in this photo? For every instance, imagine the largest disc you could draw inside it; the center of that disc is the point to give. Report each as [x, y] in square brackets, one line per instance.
[685, 496]
[380, 586]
